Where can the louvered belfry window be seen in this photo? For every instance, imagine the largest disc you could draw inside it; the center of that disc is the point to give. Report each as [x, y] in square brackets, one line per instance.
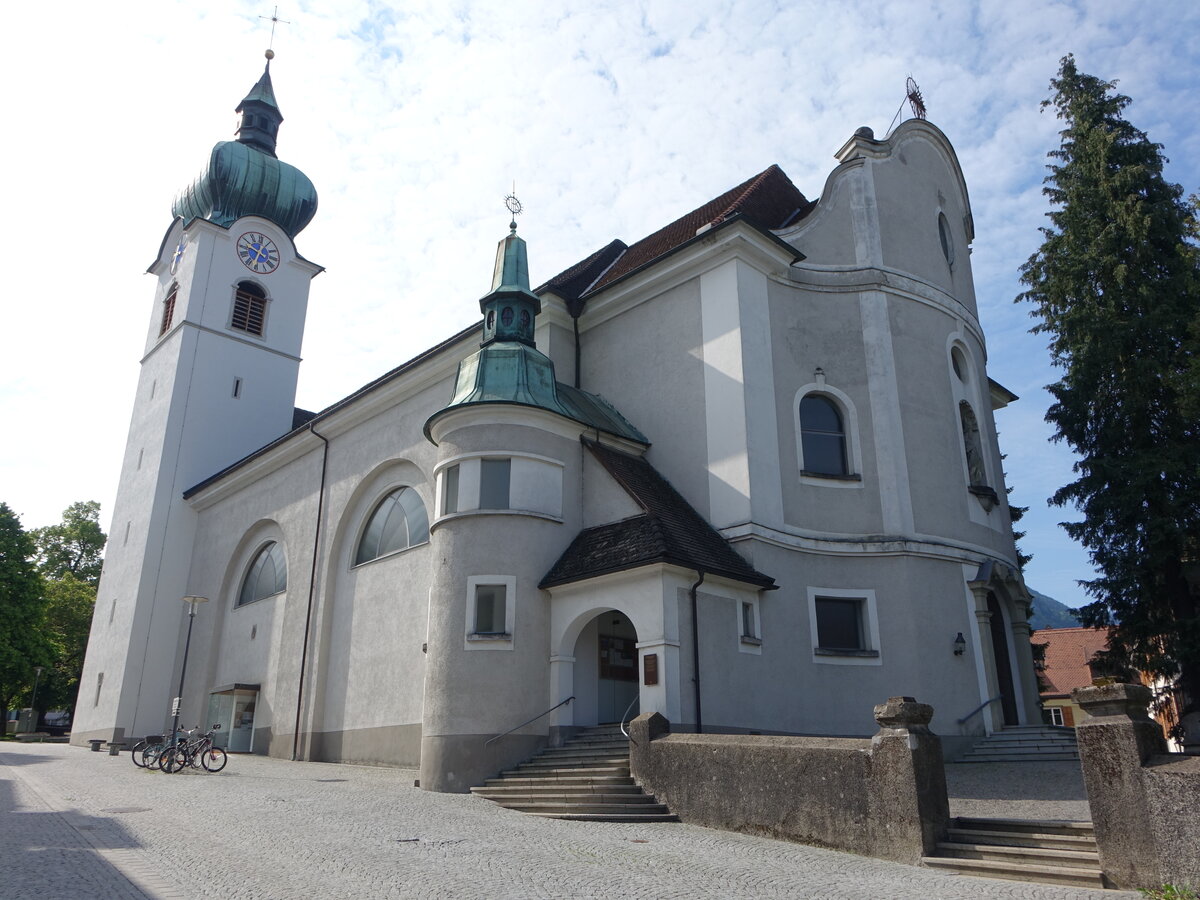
[249, 309]
[168, 310]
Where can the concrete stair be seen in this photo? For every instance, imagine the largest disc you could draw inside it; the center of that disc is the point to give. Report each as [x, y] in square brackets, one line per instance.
[586, 779]
[1025, 743]
[1021, 850]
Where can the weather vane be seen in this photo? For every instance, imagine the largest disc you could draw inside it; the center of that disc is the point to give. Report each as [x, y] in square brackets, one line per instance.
[912, 94]
[514, 207]
[275, 20]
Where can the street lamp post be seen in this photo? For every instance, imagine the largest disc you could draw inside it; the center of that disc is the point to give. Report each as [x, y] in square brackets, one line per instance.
[191, 602]
[37, 676]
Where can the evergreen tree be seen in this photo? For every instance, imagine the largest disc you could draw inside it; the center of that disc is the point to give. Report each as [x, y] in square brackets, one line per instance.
[1116, 286]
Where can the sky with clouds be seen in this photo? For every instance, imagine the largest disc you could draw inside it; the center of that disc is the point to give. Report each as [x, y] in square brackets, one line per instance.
[414, 120]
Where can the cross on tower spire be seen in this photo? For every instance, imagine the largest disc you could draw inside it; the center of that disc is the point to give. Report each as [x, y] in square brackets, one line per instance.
[275, 20]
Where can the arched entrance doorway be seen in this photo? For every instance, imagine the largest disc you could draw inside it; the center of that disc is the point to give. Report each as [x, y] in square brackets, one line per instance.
[606, 670]
[1004, 674]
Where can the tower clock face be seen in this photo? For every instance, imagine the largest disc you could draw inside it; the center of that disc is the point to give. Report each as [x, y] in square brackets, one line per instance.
[258, 252]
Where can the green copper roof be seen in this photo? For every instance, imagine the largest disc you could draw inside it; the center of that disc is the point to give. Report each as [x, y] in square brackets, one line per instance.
[509, 368]
[262, 92]
[515, 373]
[511, 307]
[241, 180]
[244, 177]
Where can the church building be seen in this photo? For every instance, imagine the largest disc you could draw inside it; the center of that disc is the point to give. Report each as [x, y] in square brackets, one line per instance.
[742, 472]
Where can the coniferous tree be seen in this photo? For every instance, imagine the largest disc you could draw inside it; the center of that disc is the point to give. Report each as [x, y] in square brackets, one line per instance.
[1116, 286]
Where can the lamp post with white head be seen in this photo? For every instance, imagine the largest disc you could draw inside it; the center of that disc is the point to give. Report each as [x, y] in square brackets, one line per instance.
[191, 602]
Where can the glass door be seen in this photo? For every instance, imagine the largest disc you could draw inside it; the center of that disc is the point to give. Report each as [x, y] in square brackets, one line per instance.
[233, 711]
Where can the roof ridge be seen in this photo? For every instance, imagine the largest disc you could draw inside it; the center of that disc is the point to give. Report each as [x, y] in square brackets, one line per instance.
[755, 181]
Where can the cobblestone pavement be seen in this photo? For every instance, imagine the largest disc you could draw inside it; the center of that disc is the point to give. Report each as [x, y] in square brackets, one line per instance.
[76, 824]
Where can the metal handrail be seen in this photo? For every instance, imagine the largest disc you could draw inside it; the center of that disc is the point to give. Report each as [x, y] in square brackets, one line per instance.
[980, 708]
[534, 719]
[624, 714]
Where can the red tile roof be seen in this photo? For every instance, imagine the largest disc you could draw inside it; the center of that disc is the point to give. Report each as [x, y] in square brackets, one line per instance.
[1068, 652]
[769, 200]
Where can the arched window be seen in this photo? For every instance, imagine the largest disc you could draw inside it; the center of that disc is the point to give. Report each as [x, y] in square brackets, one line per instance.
[267, 575]
[399, 522]
[822, 436]
[973, 446]
[168, 313]
[249, 308]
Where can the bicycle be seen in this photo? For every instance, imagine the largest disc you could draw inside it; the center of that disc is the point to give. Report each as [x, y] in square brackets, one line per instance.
[195, 752]
[211, 757]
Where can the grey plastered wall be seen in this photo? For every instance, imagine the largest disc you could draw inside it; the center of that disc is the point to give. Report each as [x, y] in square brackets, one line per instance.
[921, 604]
[647, 362]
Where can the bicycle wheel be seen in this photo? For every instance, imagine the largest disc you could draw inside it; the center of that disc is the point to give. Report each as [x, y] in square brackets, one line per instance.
[137, 753]
[213, 759]
[174, 759]
[151, 756]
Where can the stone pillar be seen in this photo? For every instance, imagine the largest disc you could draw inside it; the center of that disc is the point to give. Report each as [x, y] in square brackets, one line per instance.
[1113, 744]
[1030, 697]
[993, 716]
[909, 808]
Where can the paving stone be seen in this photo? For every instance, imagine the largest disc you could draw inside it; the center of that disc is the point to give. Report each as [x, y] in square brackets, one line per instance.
[264, 829]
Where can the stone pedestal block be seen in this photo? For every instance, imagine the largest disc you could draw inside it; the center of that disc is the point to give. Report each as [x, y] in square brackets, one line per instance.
[1114, 745]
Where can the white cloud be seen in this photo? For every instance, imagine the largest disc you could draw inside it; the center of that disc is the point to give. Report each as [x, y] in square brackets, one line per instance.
[413, 121]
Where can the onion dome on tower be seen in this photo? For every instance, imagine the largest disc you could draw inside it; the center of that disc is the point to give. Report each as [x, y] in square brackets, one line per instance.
[245, 178]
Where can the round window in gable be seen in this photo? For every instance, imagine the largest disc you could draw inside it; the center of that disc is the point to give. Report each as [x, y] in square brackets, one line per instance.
[946, 238]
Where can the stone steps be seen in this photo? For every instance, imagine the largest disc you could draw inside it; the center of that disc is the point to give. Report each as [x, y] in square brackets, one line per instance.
[1021, 850]
[1025, 743]
[587, 779]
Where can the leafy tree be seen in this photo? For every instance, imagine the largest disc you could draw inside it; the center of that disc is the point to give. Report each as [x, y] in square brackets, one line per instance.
[75, 546]
[1116, 288]
[23, 644]
[68, 621]
[69, 557]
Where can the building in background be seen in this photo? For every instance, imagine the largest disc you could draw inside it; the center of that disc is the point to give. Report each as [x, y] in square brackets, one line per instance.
[1070, 658]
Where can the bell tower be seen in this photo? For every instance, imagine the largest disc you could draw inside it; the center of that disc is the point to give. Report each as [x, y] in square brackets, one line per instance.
[217, 382]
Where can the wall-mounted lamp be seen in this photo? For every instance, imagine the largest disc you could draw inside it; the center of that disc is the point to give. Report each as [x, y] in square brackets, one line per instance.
[960, 644]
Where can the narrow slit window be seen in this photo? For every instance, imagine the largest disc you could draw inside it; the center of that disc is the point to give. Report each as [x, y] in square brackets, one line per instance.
[237, 388]
[450, 491]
